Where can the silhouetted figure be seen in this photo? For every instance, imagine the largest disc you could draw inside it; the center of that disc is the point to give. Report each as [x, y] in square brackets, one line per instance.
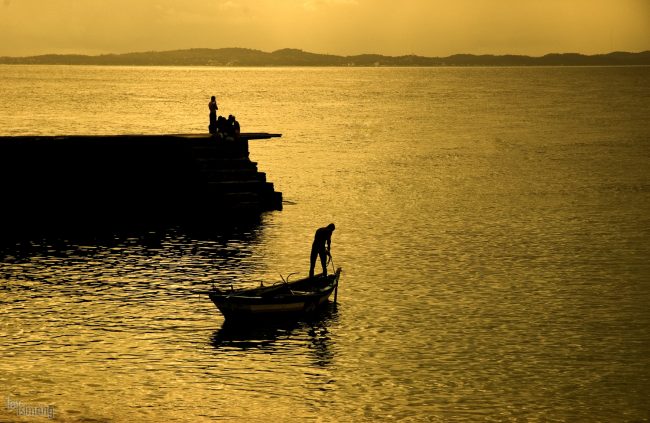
[212, 105]
[222, 127]
[233, 128]
[322, 237]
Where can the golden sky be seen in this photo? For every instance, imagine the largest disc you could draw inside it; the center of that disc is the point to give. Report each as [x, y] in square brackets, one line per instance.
[345, 27]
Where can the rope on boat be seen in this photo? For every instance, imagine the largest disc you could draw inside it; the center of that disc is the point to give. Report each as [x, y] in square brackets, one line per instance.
[286, 281]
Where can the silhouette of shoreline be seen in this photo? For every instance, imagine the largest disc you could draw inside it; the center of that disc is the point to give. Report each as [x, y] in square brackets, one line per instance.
[295, 57]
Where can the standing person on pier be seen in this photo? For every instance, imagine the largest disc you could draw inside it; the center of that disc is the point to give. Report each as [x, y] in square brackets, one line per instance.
[212, 105]
[323, 236]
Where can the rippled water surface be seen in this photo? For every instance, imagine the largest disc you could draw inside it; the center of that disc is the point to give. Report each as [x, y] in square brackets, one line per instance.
[493, 225]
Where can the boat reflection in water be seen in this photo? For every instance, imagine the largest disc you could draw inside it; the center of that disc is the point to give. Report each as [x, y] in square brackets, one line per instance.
[277, 336]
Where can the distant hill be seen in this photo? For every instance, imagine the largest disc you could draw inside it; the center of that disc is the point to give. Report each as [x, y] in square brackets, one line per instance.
[294, 57]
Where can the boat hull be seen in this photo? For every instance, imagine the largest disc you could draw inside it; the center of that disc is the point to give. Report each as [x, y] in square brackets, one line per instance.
[301, 297]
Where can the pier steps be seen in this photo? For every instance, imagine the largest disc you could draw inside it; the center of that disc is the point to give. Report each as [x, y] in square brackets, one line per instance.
[103, 177]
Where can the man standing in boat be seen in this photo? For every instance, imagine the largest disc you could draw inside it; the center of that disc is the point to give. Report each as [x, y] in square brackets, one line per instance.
[321, 247]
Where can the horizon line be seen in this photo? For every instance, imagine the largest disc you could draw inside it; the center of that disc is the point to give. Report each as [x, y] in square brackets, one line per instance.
[326, 54]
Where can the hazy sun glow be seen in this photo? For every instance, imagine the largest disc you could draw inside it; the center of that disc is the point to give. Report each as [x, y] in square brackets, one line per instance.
[346, 27]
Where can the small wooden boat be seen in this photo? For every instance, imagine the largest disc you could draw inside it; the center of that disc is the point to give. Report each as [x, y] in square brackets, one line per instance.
[302, 296]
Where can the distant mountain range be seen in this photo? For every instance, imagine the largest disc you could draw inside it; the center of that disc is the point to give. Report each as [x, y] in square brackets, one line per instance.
[295, 57]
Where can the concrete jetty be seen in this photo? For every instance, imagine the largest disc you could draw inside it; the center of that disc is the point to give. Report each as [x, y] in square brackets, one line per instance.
[130, 178]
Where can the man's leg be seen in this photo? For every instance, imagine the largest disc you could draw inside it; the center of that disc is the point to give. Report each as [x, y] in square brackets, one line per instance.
[312, 261]
[323, 261]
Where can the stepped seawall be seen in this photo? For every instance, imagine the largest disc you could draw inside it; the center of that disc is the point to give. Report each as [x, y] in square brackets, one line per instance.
[48, 180]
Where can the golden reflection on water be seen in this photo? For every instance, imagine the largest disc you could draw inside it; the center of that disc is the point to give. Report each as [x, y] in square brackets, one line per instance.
[492, 225]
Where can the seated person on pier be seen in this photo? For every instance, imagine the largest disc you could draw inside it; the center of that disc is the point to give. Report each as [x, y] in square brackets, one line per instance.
[233, 128]
[228, 129]
[222, 127]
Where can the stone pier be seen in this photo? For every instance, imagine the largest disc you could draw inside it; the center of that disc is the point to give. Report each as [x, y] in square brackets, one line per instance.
[130, 178]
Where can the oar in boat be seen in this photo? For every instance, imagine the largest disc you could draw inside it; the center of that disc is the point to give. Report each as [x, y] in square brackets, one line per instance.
[336, 288]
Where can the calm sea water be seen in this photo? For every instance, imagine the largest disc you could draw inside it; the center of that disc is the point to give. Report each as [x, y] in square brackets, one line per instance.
[493, 225]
